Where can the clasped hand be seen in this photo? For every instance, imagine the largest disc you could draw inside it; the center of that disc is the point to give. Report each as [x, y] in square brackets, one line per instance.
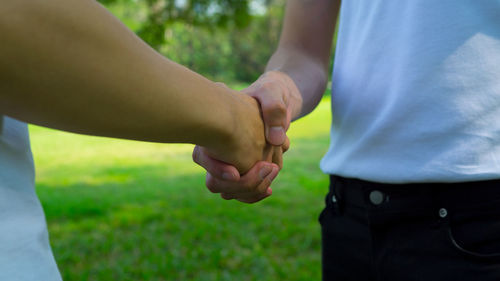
[246, 165]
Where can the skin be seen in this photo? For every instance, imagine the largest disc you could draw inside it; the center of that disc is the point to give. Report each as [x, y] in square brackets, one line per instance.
[71, 65]
[292, 86]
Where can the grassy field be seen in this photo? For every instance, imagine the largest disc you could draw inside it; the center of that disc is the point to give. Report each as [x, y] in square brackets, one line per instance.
[124, 210]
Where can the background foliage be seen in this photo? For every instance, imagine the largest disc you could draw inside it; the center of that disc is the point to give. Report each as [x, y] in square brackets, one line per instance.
[229, 40]
[207, 13]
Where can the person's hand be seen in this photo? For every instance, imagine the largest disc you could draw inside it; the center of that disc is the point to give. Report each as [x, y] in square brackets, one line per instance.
[280, 101]
[246, 143]
[225, 179]
[251, 187]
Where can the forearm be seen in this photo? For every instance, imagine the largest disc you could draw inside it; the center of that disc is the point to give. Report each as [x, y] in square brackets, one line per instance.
[70, 65]
[304, 49]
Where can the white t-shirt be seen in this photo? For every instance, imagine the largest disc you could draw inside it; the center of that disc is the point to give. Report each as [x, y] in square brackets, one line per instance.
[416, 91]
[25, 253]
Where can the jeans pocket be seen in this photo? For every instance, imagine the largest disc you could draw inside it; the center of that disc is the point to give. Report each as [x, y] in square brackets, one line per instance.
[476, 233]
[328, 210]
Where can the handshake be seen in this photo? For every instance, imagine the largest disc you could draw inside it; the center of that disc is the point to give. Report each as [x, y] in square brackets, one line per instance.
[244, 165]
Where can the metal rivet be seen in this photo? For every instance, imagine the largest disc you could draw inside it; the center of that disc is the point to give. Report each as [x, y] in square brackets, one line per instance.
[443, 212]
[376, 197]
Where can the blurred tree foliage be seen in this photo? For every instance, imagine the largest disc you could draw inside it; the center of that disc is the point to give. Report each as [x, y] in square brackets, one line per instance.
[227, 53]
[221, 39]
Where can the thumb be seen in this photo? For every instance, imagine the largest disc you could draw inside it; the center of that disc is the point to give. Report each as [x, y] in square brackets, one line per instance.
[274, 110]
[274, 113]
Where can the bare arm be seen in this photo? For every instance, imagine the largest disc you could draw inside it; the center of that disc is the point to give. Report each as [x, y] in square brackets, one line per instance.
[293, 85]
[305, 47]
[71, 65]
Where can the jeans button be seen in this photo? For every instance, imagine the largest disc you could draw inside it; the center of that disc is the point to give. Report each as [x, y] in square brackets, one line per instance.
[376, 197]
[443, 213]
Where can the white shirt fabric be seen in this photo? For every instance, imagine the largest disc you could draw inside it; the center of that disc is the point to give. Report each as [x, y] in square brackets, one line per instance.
[25, 253]
[416, 91]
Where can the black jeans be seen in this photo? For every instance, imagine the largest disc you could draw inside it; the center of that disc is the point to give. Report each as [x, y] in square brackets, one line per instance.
[445, 232]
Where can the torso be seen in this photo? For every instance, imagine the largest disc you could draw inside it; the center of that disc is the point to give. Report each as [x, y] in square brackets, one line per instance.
[25, 252]
[416, 91]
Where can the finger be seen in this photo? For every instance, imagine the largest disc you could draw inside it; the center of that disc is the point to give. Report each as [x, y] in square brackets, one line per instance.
[226, 196]
[288, 117]
[264, 190]
[253, 199]
[274, 114]
[261, 191]
[247, 183]
[215, 167]
[286, 145]
[274, 111]
[278, 156]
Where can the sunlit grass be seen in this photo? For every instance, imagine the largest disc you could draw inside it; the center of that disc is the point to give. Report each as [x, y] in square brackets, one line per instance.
[126, 210]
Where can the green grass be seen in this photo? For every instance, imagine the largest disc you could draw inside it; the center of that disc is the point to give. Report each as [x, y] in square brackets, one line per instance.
[125, 210]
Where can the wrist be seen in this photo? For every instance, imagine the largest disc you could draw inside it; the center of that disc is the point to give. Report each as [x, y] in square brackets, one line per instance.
[236, 136]
[247, 137]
